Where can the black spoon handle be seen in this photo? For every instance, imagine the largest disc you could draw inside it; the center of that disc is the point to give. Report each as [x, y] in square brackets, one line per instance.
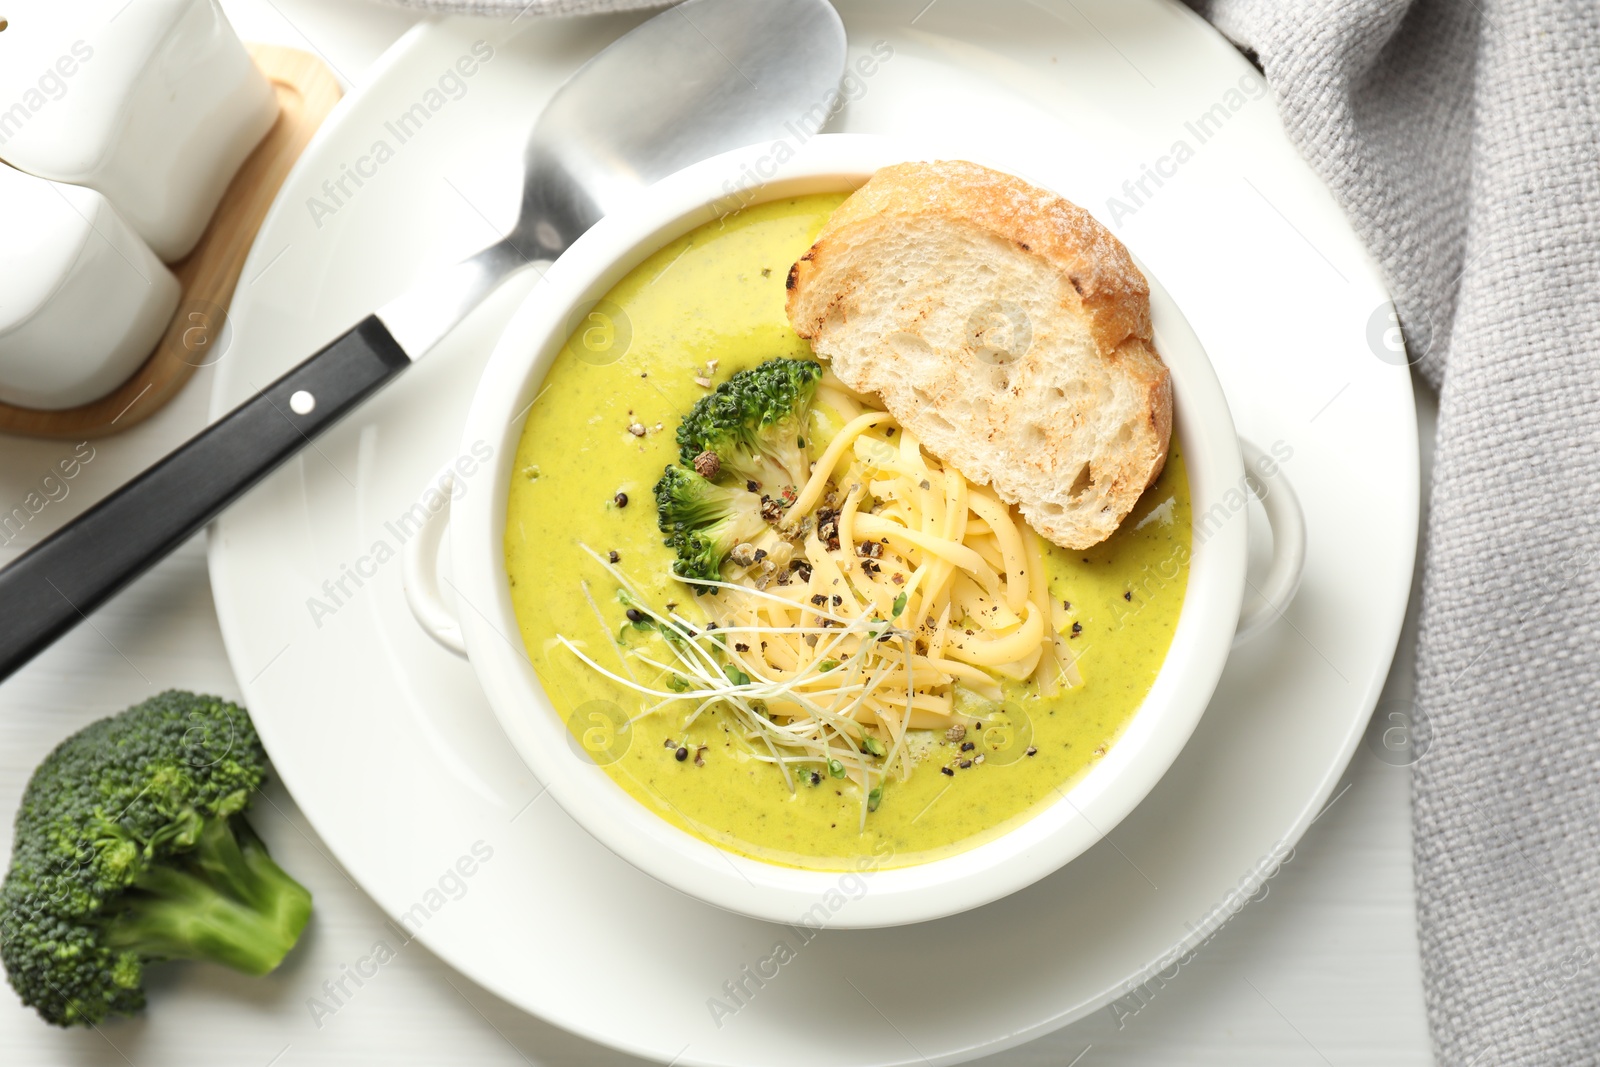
[76, 569]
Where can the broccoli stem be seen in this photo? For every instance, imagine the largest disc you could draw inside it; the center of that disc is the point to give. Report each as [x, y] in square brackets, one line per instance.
[225, 901]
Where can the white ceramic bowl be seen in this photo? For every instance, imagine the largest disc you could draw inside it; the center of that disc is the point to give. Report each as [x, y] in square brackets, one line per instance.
[488, 634]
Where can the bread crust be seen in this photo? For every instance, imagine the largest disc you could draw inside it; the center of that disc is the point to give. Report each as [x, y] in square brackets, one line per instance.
[1111, 290]
[1098, 299]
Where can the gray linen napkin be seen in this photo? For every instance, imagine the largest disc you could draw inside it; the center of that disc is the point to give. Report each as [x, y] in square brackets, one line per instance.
[1461, 137]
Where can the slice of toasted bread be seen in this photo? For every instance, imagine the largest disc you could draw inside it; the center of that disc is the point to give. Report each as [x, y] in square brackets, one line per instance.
[1003, 326]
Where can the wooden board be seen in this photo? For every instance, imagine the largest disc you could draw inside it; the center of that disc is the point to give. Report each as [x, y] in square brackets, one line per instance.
[197, 335]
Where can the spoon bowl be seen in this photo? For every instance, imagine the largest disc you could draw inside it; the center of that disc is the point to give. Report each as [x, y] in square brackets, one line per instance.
[696, 80]
[613, 128]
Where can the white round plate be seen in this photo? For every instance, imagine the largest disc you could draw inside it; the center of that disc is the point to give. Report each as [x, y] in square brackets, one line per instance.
[391, 750]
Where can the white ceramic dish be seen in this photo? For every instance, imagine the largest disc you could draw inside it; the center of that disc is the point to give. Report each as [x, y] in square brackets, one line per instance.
[395, 757]
[1052, 837]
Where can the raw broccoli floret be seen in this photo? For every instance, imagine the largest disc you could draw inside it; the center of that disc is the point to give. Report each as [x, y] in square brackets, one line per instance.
[131, 847]
[704, 521]
[755, 424]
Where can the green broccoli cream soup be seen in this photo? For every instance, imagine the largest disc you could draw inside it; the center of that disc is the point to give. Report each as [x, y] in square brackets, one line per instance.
[593, 579]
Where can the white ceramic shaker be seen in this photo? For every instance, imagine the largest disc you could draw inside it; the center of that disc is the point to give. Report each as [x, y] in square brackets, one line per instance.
[155, 103]
[83, 300]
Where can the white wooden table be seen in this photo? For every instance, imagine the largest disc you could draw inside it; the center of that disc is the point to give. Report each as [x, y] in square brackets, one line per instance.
[1322, 969]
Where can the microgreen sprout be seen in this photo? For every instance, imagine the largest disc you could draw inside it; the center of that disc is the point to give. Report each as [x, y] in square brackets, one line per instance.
[815, 723]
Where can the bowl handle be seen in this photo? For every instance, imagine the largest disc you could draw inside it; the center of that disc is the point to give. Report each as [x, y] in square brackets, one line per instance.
[421, 577]
[1266, 480]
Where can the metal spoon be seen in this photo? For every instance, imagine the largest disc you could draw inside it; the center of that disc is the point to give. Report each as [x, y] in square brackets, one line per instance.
[704, 77]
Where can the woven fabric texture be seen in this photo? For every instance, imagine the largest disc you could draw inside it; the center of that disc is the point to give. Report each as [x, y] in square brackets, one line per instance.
[1461, 137]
